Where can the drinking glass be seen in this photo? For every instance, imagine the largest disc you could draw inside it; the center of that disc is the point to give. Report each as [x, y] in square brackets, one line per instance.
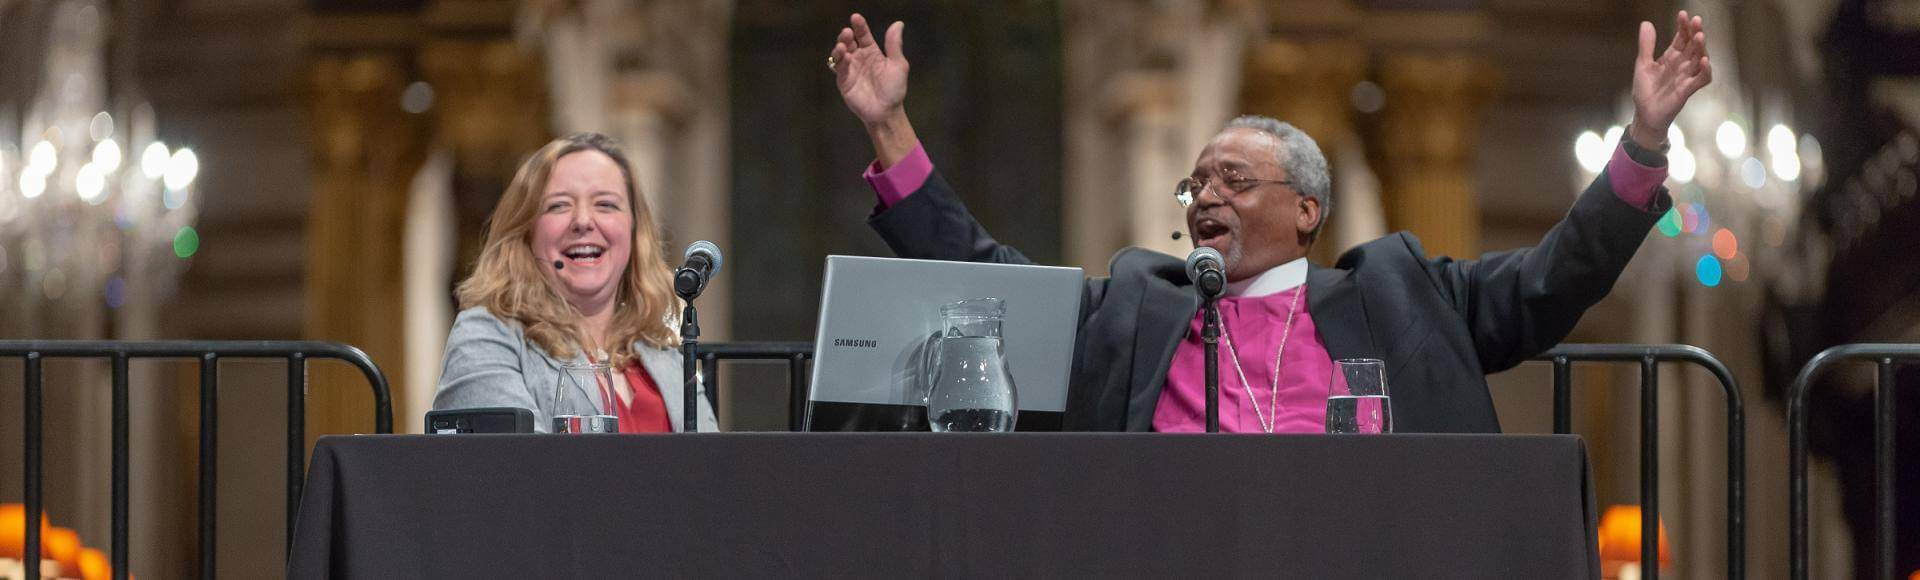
[1357, 400]
[583, 399]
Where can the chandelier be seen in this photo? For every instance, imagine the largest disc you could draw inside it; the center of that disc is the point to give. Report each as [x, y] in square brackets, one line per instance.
[93, 207]
[1726, 194]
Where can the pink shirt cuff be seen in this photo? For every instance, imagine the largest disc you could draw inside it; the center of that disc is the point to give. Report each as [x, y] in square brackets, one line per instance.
[1636, 184]
[896, 183]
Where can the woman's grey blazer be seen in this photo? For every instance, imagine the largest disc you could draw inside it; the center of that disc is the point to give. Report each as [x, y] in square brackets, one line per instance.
[490, 363]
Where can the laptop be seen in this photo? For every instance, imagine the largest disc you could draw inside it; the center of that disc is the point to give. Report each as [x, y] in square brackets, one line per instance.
[878, 316]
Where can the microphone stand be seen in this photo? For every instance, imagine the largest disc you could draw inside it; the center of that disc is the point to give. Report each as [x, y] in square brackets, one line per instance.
[689, 364]
[1210, 345]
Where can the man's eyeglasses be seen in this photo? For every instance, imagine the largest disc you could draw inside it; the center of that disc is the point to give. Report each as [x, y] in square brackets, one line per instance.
[1232, 185]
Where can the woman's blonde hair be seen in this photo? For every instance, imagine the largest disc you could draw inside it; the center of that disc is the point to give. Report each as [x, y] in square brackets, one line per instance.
[508, 281]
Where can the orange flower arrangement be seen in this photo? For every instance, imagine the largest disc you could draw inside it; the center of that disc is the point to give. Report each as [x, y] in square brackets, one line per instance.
[60, 545]
[1620, 540]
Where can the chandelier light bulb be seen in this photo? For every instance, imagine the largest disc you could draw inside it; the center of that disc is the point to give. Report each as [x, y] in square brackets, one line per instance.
[181, 169]
[101, 127]
[32, 183]
[153, 161]
[1783, 152]
[1731, 139]
[106, 156]
[43, 159]
[1590, 151]
[90, 183]
[1787, 166]
[1780, 140]
[1681, 165]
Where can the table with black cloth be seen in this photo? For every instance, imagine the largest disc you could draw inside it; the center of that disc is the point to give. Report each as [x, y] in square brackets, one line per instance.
[947, 506]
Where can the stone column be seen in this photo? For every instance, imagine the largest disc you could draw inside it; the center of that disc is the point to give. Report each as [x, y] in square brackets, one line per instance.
[1425, 144]
[365, 152]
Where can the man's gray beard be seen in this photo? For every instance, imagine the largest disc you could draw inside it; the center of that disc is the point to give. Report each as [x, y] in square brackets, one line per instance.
[1233, 255]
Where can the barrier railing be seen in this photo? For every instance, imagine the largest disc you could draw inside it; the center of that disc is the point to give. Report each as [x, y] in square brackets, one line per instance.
[1649, 356]
[209, 353]
[1884, 357]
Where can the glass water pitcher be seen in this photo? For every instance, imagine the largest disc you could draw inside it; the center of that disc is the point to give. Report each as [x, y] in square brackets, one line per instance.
[972, 390]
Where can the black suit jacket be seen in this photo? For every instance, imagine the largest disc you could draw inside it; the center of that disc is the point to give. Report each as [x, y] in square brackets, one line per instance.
[1440, 324]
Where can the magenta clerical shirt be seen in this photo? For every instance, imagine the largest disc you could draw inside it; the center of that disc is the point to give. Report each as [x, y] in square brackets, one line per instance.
[1254, 315]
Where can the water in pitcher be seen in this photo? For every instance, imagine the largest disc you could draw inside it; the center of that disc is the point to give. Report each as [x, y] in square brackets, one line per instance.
[973, 392]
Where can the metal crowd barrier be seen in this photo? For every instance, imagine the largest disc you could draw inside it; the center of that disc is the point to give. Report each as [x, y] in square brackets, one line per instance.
[209, 353]
[1649, 356]
[1884, 357]
[796, 354]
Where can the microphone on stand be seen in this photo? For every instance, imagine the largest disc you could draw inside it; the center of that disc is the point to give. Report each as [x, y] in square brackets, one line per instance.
[703, 263]
[1204, 268]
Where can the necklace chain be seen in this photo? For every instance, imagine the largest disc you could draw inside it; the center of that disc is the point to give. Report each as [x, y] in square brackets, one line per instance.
[1273, 392]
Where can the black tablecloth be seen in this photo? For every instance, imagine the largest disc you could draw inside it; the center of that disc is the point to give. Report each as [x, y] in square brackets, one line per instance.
[947, 505]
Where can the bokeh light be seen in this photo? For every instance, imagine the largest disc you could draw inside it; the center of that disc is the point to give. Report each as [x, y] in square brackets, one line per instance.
[1708, 271]
[1669, 223]
[1725, 244]
[43, 159]
[1774, 230]
[90, 184]
[106, 156]
[32, 183]
[1753, 173]
[181, 169]
[101, 127]
[1731, 139]
[1783, 151]
[1681, 165]
[1689, 218]
[1739, 268]
[1590, 151]
[1368, 97]
[186, 242]
[417, 98]
[1812, 163]
[153, 161]
[1780, 140]
[116, 292]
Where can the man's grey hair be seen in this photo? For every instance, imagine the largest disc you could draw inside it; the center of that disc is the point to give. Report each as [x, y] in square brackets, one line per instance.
[1300, 156]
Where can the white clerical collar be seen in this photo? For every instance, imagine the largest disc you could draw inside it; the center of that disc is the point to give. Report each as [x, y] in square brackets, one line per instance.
[1275, 280]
